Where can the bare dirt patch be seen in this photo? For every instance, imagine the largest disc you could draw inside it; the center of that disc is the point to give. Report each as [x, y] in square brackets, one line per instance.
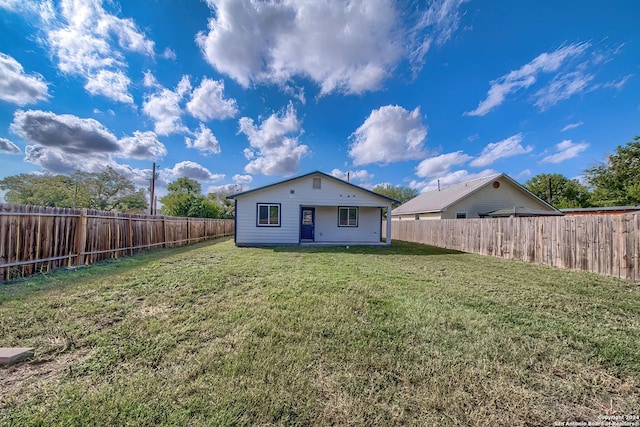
[31, 376]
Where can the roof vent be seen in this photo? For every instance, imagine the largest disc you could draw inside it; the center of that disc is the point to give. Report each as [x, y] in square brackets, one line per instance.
[496, 184]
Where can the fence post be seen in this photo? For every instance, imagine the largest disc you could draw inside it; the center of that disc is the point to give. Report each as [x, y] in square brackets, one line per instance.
[81, 237]
[164, 232]
[130, 236]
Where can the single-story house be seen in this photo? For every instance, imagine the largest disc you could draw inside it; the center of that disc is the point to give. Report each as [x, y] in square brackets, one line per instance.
[311, 209]
[491, 196]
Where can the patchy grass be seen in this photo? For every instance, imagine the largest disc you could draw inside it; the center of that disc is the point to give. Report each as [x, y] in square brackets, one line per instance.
[218, 335]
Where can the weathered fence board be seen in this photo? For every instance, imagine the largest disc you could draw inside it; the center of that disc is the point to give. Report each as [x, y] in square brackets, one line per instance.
[604, 244]
[35, 239]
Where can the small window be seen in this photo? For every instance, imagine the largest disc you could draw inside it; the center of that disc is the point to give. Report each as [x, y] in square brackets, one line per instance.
[347, 217]
[461, 215]
[317, 183]
[268, 215]
[416, 216]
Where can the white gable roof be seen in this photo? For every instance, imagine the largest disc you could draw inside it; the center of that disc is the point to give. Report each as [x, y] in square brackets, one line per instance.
[345, 183]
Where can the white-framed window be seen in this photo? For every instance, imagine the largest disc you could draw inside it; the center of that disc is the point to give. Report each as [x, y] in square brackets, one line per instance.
[268, 215]
[317, 183]
[461, 215]
[347, 217]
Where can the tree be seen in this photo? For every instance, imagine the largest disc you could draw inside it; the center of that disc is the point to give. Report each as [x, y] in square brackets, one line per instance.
[565, 192]
[26, 189]
[107, 190]
[616, 182]
[136, 201]
[185, 199]
[203, 208]
[185, 185]
[227, 207]
[398, 192]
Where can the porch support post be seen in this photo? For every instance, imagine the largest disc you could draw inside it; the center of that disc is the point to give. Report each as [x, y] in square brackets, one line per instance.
[388, 240]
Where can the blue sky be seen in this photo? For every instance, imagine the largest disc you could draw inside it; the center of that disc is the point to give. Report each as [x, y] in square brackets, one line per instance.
[242, 93]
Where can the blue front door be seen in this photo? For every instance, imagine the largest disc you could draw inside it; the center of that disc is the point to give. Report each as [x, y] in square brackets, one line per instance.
[307, 223]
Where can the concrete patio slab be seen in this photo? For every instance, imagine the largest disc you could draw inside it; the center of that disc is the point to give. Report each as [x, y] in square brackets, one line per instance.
[9, 355]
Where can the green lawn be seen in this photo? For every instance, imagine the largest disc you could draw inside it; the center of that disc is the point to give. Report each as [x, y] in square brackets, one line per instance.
[408, 335]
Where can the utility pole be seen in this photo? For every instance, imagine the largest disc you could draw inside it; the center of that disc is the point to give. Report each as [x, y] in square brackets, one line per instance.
[152, 201]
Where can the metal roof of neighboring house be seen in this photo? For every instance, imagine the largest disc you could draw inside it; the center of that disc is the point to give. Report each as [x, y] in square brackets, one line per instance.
[601, 209]
[233, 196]
[520, 211]
[438, 199]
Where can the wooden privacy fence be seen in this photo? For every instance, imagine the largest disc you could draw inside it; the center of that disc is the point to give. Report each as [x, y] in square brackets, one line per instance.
[604, 244]
[35, 239]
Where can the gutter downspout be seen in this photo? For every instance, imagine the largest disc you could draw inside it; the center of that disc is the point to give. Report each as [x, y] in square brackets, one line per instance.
[388, 240]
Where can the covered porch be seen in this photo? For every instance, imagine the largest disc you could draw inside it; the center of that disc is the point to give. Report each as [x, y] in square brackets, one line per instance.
[344, 225]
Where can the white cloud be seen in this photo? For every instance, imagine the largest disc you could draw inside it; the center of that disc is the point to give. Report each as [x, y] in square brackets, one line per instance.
[64, 132]
[449, 179]
[565, 150]
[89, 42]
[275, 149]
[208, 102]
[140, 177]
[150, 80]
[242, 179]
[526, 76]
[442, 17]
[39, 8]
[524, 173]
[240, 184]
[164, 107]
[227, 189]
[65, 143]
[506, 148]
[296, 92]
[8, 147]
[169, 54]
[17, 87]
[616, 84]
[143, 145]
[346, 47]
[440, 165]
[390, 134]
[205, 141]
[357, 175]
[112, 84]
[57, 161]
[191, 170]
[562, 87]
[571, 126]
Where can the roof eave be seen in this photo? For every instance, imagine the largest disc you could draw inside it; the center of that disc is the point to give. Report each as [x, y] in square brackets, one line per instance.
[389, 199]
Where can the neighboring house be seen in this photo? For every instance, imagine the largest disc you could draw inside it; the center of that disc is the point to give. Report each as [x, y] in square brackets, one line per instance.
[492, 196]
[609, 210]
[313, 209]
